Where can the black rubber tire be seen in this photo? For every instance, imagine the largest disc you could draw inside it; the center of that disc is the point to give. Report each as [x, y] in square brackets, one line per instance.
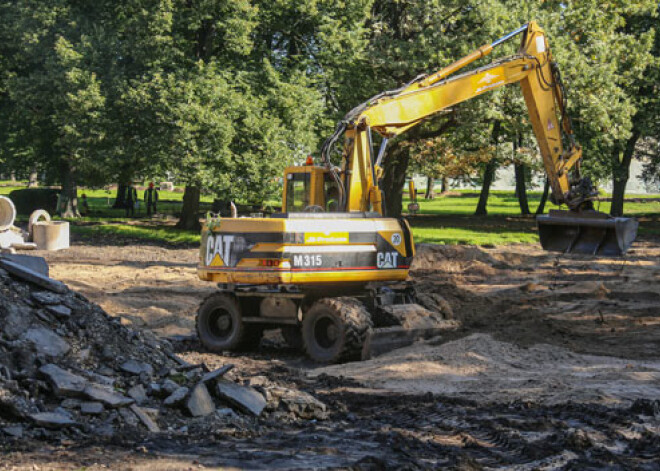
[350, 322]
[219, 323]
[293, 336]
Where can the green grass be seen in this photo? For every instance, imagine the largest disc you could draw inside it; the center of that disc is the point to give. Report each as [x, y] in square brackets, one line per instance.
[160, 234]
[163, 195]
[481, 231]
[447, 219]
[450, 219]
[100, 203]
[504, 203]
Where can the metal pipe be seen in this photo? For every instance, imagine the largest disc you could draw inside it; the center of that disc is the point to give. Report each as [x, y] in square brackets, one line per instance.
[509, 36]
[371, 155]
[381, 151]
[470, 58]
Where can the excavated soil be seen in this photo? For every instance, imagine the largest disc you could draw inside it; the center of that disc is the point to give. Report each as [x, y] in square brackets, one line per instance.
[552, 328]
[556, 365]
[523, 295]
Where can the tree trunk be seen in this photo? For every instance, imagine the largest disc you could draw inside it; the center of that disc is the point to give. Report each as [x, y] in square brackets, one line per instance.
[429, 195]
[621, 173]
[444, 185]
[12, 176]
[544, 197]
[120, 199]
[189, 218]
[68, 203]
[489, 176]
[395, 166]
[618, 193]
[521, 189]
[33, 182]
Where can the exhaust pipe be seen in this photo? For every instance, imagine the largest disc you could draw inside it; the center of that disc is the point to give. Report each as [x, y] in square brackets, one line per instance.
[586, 232]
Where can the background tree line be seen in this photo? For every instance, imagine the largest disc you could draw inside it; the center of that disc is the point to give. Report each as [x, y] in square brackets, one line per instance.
[225, 94]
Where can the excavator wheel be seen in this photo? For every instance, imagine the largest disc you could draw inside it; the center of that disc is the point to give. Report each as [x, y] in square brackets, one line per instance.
[335, 329]
[220, 326]
[293, 336]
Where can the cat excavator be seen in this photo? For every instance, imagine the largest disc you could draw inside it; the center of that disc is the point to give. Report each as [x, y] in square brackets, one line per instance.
[330, 270]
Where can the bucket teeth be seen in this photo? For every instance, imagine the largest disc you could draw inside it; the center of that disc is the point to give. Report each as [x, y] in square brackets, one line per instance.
[588, 232]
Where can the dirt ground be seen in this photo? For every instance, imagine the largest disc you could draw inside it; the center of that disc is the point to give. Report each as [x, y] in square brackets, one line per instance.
[146, 285]
[556, 365]
[550, 328]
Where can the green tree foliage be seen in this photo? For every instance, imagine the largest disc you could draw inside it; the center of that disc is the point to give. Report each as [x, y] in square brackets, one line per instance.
[224, 94]
[649, 145]
[54, 104]
[607, 53]
[437, 158]
[603, 50]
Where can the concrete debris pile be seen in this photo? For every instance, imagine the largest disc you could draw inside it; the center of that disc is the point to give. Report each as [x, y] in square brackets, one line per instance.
[69, 370]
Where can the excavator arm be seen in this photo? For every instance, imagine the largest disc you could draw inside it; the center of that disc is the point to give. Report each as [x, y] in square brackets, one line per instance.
[392, 113]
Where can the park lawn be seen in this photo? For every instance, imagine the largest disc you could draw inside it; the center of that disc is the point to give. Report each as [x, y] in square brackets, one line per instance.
[154, 233]
[444, 220]
[504, 203]
[483, 231]
[450, 219]
[100, 203]
[162, 195]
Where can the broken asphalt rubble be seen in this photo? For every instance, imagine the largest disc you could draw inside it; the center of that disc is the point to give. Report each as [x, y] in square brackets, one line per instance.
[68, 369]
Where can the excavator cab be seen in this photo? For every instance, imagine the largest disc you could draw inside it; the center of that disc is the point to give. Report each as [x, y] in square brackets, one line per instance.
[309, 188]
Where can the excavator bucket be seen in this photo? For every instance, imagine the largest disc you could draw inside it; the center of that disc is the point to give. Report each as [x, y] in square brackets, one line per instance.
[586, 232]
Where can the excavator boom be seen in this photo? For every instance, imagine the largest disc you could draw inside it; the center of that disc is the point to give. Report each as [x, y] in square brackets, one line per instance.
[392, 113]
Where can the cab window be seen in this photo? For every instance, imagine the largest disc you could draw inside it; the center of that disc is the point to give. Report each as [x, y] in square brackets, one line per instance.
[297, 191]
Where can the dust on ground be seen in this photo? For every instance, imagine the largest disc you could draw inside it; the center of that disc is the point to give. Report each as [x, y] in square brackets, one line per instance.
[483, 369]
[524, 295]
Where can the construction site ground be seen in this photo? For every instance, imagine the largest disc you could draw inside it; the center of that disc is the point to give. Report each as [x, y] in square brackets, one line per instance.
[556, 364]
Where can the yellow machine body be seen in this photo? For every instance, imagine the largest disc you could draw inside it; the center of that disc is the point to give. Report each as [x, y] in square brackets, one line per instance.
[390, 115]
[304, 251]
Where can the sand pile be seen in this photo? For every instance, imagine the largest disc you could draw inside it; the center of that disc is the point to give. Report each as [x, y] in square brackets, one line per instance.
[481, 368]
[455, 259]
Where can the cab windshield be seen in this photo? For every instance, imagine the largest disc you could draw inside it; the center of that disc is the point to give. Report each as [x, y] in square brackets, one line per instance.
[297, 191]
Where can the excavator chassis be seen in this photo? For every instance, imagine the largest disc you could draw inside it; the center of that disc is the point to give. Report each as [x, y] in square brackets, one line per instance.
[332, 324]
[329, 280]
[586, 232]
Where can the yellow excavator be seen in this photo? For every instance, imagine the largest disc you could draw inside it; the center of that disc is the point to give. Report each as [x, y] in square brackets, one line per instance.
[328, 269]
